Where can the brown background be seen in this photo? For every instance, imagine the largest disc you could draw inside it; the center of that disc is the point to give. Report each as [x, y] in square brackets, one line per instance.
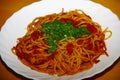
[8, 7]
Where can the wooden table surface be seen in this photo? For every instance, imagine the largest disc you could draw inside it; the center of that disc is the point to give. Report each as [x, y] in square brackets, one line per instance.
[8, 7]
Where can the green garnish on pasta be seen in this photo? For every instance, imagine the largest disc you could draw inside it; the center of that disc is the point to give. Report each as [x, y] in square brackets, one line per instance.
[57, 30]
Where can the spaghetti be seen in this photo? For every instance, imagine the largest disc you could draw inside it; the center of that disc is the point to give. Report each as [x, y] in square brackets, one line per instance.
[64, 44]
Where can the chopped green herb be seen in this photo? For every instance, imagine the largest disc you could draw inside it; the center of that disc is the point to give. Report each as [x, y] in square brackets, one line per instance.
[58, 30]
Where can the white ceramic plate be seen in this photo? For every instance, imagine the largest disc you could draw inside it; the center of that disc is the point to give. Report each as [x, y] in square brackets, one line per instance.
[16, 25]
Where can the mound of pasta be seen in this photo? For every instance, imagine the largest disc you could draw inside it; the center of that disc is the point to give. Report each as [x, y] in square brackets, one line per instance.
[62, 43]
